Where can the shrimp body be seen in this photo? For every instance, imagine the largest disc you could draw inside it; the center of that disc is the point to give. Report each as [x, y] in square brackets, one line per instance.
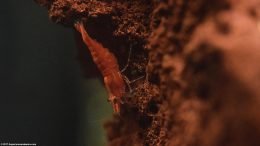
[108, 66]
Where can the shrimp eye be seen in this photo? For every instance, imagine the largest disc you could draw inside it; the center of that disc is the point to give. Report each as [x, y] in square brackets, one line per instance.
[115, 100]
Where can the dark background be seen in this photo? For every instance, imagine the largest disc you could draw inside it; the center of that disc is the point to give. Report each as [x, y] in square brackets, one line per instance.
[42, 92]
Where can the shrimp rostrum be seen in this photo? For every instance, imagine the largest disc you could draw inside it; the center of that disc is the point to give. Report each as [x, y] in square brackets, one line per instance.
[108, 66]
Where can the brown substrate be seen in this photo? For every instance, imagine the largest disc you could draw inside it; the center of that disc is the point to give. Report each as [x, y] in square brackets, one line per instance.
[200, 62]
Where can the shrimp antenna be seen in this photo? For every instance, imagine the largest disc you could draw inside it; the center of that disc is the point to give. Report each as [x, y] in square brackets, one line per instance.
[128, 83]
[136, 79]
[128, 60]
